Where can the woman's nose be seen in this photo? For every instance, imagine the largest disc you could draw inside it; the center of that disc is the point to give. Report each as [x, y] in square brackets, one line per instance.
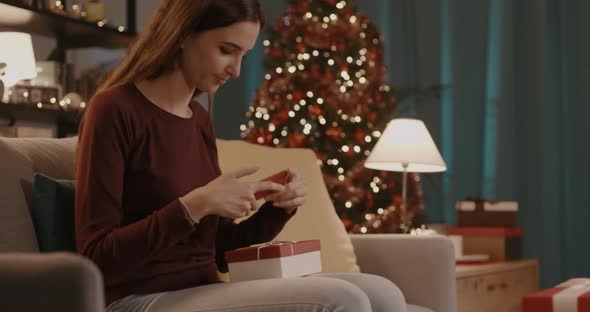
[234, 69]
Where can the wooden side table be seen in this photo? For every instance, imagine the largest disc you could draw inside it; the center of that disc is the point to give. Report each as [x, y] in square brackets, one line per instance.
[496, 286]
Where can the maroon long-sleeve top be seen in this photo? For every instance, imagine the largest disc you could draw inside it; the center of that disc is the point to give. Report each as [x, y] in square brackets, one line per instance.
[134, 161]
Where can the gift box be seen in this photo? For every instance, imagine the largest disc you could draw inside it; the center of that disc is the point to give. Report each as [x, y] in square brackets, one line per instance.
[486, 213]
[500, 243]
[274, 260]
[571, 296]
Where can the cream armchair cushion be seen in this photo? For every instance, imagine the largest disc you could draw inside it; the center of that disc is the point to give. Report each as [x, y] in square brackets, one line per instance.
[317, 218]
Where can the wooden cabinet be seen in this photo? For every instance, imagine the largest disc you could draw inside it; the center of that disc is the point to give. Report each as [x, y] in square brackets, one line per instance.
[497, 287]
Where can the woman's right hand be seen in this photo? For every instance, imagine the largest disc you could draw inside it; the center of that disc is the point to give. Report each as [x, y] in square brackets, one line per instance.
[227, 196]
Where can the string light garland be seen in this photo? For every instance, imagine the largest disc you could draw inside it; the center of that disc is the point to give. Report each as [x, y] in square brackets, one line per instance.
[75, 10]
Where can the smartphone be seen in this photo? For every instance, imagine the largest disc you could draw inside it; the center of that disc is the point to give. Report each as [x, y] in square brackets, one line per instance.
[281, 177]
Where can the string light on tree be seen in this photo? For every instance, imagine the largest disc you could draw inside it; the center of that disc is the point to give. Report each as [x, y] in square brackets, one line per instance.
[320, 91]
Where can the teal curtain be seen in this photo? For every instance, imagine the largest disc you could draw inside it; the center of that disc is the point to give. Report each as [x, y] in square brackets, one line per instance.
[511, 118]
[552, 79]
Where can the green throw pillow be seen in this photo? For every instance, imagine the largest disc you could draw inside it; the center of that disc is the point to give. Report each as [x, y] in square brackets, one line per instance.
[53, 213]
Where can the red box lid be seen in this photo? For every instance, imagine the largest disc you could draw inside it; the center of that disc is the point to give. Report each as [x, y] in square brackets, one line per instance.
[272, 250]
[542, 301]
[485, 231]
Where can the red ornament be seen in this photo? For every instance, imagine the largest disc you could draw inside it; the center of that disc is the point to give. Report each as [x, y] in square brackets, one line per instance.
[328, 75]
[296, 140]
[314, 111]
[304, 8]
[396, 199]
[346, 14]
[281, 116]
[371, 55]
[359, 136]
[331, 2]
[378, 97]
[292, 10]
[369, 201]
[334, 133]
[372, 116]
[300, 47]
[248, 136]
[273, 52]
[297, 95]
[347, 223]
[319, 155]
[278, 53]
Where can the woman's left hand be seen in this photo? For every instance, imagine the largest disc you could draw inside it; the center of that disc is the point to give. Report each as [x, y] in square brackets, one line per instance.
[293, 195]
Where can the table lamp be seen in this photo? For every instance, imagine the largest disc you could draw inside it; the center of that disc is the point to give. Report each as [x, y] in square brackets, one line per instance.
[405, 146]
[16, 51]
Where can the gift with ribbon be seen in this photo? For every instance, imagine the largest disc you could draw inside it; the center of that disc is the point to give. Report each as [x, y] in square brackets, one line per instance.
[571, 296]
[281, 177]
[481, 212]
[276, 259]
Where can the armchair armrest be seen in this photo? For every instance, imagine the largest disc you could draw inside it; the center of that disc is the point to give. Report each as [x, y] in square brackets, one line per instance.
[50, 282]
[423, 267]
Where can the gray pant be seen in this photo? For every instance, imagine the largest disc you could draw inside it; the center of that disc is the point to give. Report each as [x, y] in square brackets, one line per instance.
[322, 292]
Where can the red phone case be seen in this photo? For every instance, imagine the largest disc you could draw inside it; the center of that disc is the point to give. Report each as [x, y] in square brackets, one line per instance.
[281, 177]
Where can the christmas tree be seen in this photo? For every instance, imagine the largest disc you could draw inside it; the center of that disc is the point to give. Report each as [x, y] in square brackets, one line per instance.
[325, 89]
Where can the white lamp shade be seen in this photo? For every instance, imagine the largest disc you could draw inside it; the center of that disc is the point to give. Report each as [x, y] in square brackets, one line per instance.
[16, 50]
[406, 141]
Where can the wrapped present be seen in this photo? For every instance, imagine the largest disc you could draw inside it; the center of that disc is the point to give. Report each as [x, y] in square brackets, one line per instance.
[479, 212]
[500, 243]
[278, 259]
[571, 296]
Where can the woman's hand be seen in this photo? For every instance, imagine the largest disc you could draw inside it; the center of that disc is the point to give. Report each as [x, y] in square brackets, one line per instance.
[227, 196]
[293, 195]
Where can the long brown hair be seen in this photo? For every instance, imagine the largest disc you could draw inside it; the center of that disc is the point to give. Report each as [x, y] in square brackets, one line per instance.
[158, 47]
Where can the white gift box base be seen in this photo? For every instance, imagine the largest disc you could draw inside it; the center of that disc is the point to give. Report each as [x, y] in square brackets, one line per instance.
[280, 267]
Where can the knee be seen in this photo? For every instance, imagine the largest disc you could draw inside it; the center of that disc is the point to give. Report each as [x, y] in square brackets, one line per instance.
[385, 284]
[339, 295]
[384, 294]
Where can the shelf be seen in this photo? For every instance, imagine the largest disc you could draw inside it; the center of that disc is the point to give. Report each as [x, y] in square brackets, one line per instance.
[70, 32]
[66, 121]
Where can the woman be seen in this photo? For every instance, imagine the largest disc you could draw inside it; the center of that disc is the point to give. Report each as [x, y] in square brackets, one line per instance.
[153, 210]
